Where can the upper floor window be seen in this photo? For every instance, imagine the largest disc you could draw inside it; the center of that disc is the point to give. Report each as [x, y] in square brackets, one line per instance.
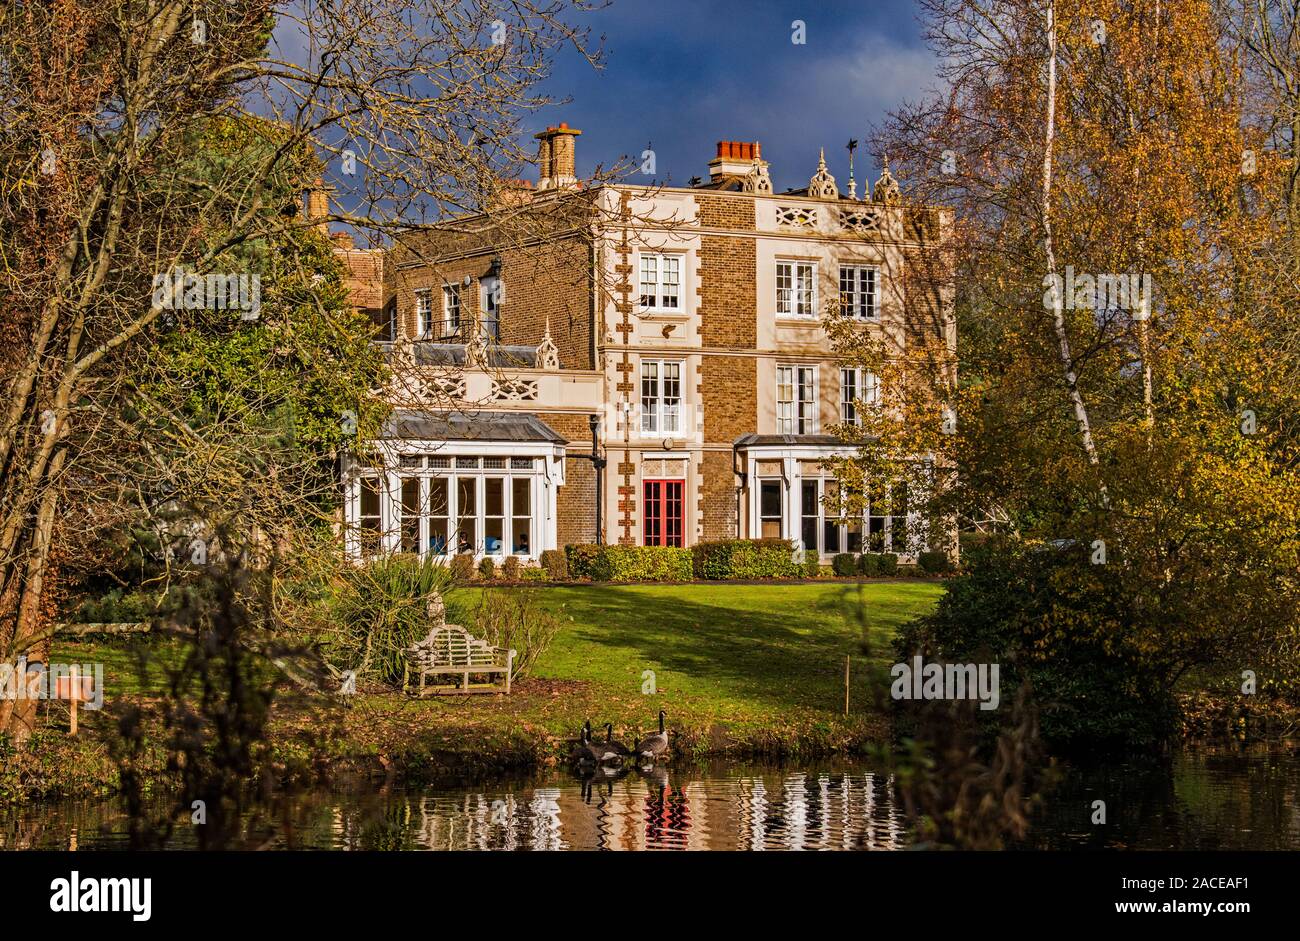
[450, 309]
[491, 306]
[661, 281]
[858, 387]
[796, 400]
[858, 292]
[661, 396]
[796, 290]
[423, 314]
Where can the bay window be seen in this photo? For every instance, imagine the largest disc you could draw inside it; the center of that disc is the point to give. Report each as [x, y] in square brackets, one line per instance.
[369, 516]
[770, 507]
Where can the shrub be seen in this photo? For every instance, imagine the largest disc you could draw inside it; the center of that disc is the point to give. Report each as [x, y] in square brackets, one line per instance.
[1053, 620]
[877, 564]
[630, 563]
[376, 610]
[555, 565]
[581, 559]
[933, 563]
[811, 564]
[514, 620]
[510, 568]
[746, 558]
[462, 568]
[487, 569]
[843, 564]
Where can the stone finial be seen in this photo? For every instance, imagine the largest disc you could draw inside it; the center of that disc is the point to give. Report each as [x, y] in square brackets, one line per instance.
[886, 188]
[822, 185]
[548, 355]
[758, 180]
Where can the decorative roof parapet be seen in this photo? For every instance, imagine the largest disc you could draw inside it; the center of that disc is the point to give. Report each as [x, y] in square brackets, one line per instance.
[822, 185]
[548, 355]
[886, 189]
[758, 180]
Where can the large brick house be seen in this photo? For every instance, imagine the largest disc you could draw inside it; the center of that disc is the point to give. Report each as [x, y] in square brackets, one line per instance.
[632, 364]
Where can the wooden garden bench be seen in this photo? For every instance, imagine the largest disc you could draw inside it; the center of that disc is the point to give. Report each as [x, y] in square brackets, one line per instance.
[452, 650]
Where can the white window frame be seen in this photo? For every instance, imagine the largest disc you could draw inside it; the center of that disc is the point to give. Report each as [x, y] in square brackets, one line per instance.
[857, 385]
[655, 420]
[796, 415]
[423, 313]
[781, 489]
[794, 287]
[659, 264]
[851, 300]
[450, 324]
[492, 293]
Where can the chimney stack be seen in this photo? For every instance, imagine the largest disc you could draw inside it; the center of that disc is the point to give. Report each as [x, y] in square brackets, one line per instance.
[318, 205]
[556, 157]
[736, 158]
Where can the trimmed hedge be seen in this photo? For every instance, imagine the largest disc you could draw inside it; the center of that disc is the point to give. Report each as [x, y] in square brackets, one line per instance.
[746, 558]
[844, 564]
[581, 558]
[462, 567]
[878, 564]
[933, 563]
[811, 564]
[556, 565]
[629, 563]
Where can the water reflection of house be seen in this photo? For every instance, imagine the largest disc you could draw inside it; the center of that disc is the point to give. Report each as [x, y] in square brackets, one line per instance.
[794, 812]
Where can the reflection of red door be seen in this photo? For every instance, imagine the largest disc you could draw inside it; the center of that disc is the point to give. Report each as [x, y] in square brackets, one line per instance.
[662, 513]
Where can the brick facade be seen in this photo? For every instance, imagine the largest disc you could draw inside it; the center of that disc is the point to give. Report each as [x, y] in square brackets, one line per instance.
[576, 501]
[570, 261]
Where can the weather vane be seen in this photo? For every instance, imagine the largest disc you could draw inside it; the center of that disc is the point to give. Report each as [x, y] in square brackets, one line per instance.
[853, 185]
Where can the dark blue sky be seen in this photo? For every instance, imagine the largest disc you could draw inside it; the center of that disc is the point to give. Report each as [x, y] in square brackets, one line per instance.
[688, 73]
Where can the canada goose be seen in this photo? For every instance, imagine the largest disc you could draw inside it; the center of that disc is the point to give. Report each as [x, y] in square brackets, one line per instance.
[653, 746]
[584, 753]
[609, 749]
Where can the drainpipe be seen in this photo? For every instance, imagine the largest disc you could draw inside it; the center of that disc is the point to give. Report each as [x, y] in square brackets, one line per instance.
[598, 463]
[744, 480]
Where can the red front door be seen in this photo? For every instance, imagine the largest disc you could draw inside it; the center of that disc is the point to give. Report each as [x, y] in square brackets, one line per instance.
[662, 513]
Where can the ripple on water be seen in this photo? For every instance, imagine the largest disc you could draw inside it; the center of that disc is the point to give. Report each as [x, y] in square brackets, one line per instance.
[1199, 801]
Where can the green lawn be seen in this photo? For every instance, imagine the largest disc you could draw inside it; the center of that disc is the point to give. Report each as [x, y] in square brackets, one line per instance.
[738, 668]
[762, 650]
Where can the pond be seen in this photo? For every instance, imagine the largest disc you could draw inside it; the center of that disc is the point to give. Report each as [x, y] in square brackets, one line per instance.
[1205, 799]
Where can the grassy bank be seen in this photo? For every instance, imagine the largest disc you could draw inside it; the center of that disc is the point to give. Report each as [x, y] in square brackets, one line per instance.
[740, 670]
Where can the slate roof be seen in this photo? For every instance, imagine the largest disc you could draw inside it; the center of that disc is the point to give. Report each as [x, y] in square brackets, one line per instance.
[753, 440]
[469, 426]
[453, 354]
